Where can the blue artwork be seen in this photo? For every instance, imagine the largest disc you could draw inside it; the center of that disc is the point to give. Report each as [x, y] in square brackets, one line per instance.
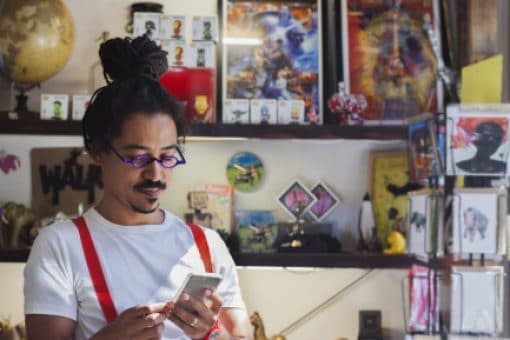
[282, 62]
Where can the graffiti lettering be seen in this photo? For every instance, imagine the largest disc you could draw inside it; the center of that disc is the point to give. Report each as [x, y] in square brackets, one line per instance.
[72, 176]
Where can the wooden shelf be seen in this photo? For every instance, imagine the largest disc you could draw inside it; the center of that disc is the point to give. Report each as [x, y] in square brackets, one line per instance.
[19, 255]
[73, 128]
[332, 260]
[324, 260]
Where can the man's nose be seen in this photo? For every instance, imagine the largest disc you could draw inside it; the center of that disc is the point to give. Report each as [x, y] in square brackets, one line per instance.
[154, 171]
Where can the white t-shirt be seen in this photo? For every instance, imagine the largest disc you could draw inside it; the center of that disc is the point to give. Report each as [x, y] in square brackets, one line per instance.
[141, 264]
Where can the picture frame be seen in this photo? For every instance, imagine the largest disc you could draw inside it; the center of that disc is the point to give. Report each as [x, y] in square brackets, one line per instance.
[388, 58]
[273, 50]
[326, 202]
[479, 221]
[477, 314]
[389, 187]
[257, 230]
[425, 229]
[424, 157]
[296, 199]
[478, 141]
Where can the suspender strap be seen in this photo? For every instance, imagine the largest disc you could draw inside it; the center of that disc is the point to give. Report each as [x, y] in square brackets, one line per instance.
[95, 271]
[203, 247]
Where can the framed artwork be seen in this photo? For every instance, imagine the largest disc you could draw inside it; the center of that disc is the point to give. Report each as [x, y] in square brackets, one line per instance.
[326, 201]
[257, 230]
[245, 171]
[424, 160]
[388, 57]
[390, 185]
[477, 139]
[425, 222]
[272, 50]
[477, 314]
[479, 221]
[296, 199]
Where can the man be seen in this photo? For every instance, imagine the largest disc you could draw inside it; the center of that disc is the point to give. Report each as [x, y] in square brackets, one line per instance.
[114, 273]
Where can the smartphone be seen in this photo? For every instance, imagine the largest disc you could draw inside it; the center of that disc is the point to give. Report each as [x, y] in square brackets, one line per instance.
[194, 285]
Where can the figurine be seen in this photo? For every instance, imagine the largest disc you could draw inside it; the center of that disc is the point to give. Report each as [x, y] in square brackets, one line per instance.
[396, 242]
[16, 220]
[348, 106]
[259, 333]
[12, 332]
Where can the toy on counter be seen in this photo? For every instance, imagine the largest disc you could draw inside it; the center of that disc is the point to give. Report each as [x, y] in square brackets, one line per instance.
[396, 243]
[348, 106]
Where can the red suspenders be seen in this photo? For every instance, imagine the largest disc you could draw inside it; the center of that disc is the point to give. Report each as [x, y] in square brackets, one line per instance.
[96, 273]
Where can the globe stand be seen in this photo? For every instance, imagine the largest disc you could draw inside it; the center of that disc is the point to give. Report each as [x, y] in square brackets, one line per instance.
[21, 102]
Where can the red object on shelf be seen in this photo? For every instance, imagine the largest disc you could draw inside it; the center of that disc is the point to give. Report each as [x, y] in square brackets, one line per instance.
[196, 87]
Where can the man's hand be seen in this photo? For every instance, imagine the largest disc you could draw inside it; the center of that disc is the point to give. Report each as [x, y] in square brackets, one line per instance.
[197, 325]
[141, 322]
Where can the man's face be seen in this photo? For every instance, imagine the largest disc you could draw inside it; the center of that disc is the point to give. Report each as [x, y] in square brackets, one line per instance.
[139, 189]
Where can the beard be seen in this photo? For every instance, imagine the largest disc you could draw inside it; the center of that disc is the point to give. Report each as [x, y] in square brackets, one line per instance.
[141, 210]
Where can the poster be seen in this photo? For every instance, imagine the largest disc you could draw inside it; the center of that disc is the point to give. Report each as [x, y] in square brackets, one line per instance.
[272, 50]
[388, 57]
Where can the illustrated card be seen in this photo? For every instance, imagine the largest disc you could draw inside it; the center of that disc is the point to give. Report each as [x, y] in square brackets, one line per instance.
[205, 28]
[146, 23]
[202, 54]
[173, 27]
[477, 299]
[477, 140]
[477, 221]
[176, 52]
[236, 111]
[80, 105]
[263, 111]
[54, 106]
[291, 112]
[296, 199]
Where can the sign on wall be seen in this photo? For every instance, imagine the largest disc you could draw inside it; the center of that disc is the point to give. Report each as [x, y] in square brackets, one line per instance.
[62, 178]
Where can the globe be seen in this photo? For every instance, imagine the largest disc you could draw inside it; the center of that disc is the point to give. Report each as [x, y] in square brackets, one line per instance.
[36, 39]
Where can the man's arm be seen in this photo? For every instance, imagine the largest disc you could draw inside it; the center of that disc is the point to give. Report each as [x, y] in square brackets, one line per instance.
[236, 322]
[49, 327]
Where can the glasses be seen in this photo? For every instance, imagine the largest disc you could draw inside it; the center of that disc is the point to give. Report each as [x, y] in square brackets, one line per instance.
[141, 161]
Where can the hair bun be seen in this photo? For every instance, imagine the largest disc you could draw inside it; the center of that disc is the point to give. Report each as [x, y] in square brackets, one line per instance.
[118, 58]
[124, 58]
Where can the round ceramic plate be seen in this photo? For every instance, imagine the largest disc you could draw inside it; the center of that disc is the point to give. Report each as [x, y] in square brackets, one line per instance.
[245, 171]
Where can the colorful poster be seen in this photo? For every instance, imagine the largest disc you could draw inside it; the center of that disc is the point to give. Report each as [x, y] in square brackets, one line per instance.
[388, 57]
[271, 50]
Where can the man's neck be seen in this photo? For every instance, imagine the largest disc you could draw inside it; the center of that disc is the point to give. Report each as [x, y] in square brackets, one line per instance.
[127, 216]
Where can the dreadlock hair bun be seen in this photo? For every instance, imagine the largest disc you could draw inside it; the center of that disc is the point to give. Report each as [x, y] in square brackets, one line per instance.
[124, 58]
[132, 69]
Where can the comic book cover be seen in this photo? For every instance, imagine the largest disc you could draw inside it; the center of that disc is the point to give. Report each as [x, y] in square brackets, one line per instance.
[272, 50]
[220, 205]
[389, 59]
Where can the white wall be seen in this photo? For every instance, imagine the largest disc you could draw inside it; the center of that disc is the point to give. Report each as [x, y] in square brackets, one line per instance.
[281, 296]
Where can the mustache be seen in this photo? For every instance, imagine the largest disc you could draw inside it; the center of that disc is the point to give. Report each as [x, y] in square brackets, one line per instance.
[150, 185]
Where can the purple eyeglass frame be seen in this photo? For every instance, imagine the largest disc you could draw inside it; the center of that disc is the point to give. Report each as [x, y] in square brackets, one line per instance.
[130, 160]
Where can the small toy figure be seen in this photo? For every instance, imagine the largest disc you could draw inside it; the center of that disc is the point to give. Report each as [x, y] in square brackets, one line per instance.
[201, 57]
[396, 242]
[207, 30]
[348, 106]
[57, 109]
[177, 26]
[150, 27]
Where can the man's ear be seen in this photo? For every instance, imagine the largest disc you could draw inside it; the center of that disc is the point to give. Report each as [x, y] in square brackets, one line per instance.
[97, 154]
